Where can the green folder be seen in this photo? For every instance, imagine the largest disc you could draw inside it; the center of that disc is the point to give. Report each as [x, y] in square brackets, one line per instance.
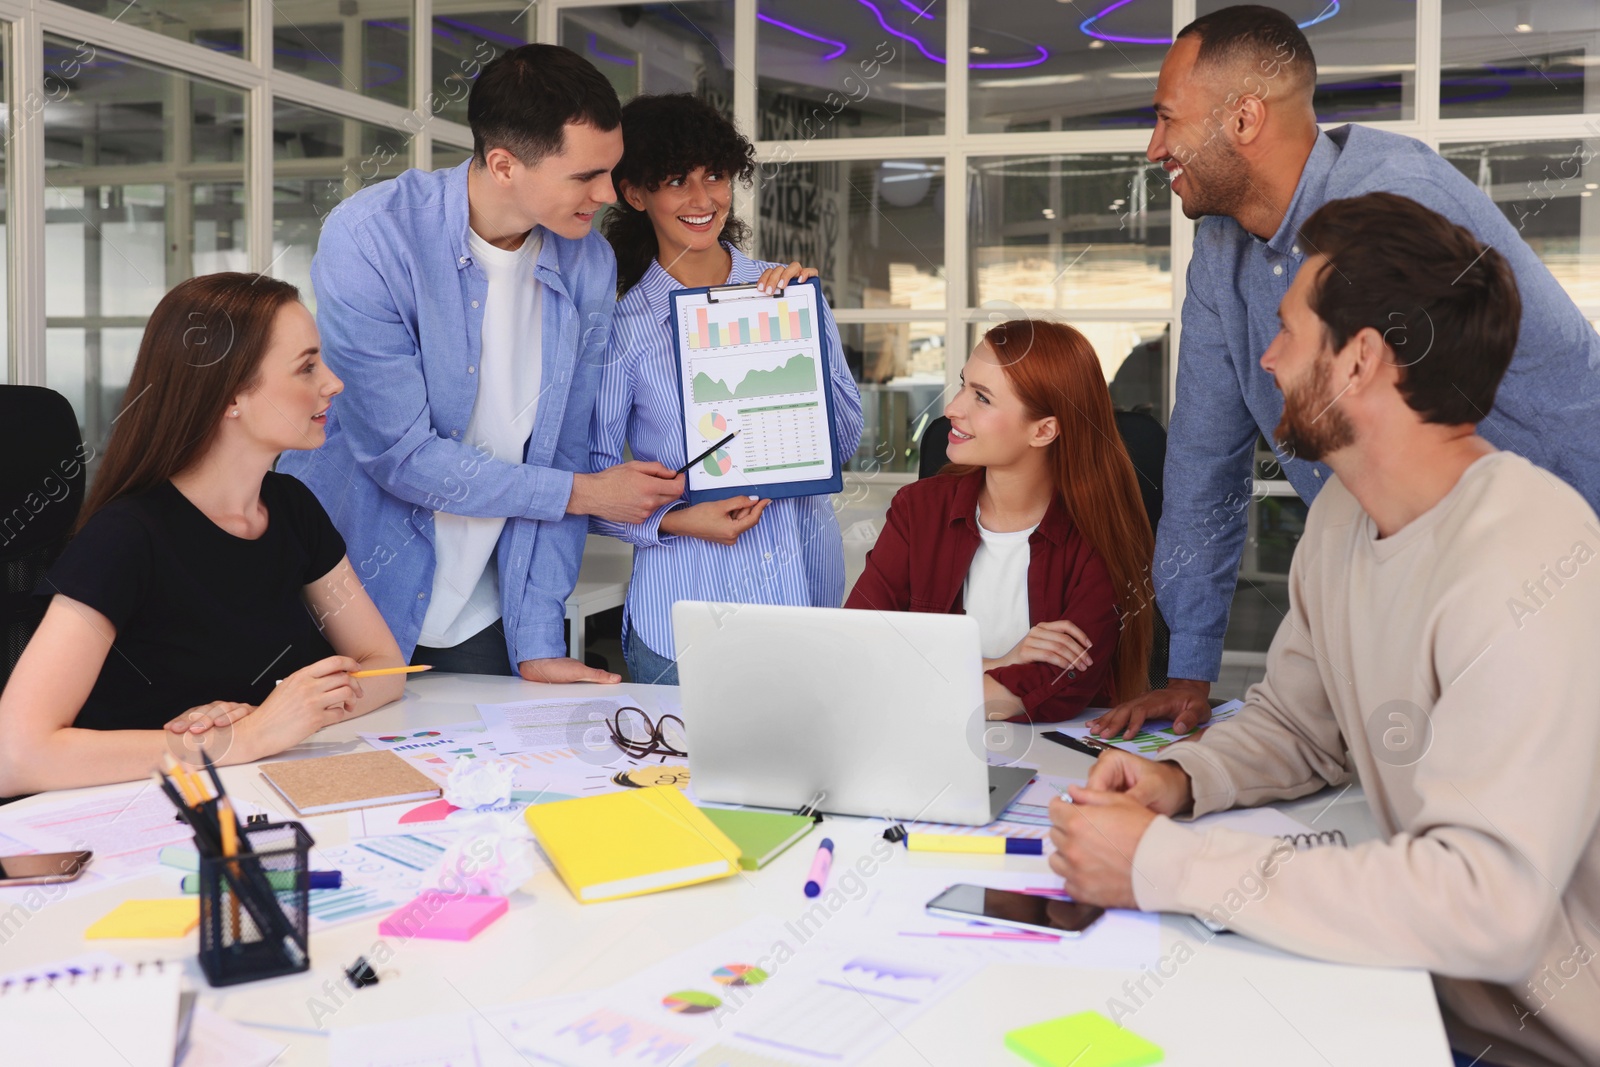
[1087, 1039]
[760, 835]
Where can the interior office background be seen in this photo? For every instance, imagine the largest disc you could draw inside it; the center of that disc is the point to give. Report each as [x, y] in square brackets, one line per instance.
[946, 164]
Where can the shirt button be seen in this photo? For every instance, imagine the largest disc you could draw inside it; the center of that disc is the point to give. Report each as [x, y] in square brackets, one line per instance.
[472, 370]
[475, 303]
[463, 259]
[455, 433]
[1071, 675]
[1297, 250]
[1277, 269]
[766, 556]
[1317, 473]
[421, 596]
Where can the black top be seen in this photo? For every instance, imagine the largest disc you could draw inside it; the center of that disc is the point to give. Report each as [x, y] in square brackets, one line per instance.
[201, 615]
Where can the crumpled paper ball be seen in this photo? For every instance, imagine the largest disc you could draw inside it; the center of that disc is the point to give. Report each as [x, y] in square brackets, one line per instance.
[479, 783]
[492, 855]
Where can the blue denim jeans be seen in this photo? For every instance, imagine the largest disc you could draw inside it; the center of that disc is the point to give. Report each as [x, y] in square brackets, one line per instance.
[645, 666]
[482, 653]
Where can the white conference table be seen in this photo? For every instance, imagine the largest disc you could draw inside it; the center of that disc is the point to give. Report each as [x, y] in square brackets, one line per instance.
[1234, 1002]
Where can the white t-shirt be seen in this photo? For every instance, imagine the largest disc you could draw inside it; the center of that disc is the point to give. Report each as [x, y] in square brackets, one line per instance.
[466, 578]
[996, 589]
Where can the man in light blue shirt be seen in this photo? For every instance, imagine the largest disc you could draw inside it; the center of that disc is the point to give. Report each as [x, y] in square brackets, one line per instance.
[1237, 135]
[468, 312]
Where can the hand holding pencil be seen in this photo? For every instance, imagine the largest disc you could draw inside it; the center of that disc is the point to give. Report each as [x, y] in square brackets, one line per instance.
[220, 713]
[313, 697]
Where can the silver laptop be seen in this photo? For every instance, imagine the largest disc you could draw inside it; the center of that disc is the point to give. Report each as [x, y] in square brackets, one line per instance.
[854, 712]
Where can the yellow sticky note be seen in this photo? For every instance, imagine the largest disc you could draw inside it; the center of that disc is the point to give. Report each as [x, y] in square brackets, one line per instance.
[171, 917]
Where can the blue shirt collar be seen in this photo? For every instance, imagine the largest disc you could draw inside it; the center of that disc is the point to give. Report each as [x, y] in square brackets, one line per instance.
[657, 286]
[1309, 194]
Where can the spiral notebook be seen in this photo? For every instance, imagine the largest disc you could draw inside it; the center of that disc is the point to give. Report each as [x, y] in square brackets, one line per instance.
[1315, 839]
[123, 1013]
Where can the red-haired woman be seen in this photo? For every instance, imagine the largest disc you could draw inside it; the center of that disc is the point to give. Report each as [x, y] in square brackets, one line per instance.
[202, 590]
[1033, 529]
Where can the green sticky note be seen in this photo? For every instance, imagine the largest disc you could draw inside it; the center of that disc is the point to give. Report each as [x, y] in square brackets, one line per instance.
[1087, 1039]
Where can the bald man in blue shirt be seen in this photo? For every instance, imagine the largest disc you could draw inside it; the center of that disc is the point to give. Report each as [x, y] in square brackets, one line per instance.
[1238, 138]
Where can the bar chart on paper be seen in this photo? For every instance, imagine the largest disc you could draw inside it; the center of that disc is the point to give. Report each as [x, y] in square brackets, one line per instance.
[727, 326]
[843, 1011]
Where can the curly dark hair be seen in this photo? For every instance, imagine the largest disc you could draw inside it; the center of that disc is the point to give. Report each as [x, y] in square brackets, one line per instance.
[668, 136]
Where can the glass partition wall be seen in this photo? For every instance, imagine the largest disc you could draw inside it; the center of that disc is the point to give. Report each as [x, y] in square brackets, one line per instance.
[946, 164]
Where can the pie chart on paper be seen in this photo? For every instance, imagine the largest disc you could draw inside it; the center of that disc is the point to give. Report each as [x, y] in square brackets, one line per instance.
[690, 1002]
[738, 974]
[713, 426]
[718, 463]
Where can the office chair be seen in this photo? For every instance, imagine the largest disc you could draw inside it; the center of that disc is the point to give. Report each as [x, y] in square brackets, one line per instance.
[41, 490]
[1146, 442]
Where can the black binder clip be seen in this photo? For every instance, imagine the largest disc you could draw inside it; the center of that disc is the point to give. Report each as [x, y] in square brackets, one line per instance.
[361, 973]
[811, 808]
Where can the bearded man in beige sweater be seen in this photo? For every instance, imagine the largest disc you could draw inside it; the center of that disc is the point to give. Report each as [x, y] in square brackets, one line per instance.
[1441, 645]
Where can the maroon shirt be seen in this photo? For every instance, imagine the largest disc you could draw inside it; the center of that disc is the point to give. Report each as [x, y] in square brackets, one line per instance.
[921, 561]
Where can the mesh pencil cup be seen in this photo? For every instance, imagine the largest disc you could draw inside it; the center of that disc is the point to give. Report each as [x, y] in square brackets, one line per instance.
[254, 912]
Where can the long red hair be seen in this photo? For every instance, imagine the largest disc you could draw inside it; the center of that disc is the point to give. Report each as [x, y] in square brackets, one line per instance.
[1056, 373]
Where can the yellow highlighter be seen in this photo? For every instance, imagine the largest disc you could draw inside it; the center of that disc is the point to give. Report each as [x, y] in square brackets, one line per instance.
[986, 845]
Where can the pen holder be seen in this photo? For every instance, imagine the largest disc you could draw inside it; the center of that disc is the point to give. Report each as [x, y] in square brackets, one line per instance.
[254, 906]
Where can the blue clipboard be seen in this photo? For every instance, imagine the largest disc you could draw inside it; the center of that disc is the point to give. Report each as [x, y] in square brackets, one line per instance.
[779, 427]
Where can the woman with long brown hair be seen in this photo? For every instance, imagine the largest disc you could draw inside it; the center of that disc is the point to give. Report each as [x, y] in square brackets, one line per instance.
[203, 594]
[1036, 529]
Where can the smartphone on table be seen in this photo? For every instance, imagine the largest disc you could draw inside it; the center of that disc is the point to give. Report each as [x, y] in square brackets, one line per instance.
[1025, 911]
[42, 868]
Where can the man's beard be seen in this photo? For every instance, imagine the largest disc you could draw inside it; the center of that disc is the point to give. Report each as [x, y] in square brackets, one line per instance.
[1222, 184]
[1310, 427]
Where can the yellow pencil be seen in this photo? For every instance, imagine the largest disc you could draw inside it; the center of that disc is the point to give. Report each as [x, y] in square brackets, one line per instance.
[230, 847]
[187, 785]
[376, 671]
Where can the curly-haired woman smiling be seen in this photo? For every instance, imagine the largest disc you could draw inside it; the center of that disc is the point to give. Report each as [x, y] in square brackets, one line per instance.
[673, 228]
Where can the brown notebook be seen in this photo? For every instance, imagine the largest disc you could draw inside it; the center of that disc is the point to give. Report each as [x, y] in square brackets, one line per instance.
[339, 783]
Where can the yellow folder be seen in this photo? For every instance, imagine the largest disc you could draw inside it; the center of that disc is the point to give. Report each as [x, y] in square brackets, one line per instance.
[623, 844]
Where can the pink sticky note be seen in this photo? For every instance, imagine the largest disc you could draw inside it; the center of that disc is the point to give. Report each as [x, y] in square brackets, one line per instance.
[445, 916]
[432, 811]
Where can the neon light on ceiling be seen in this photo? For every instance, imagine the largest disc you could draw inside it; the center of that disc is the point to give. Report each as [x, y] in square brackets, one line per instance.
[807, 34]
[1087, 26]
[1041, 54]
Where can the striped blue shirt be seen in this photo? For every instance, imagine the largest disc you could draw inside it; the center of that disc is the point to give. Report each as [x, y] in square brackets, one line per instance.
[792, 556]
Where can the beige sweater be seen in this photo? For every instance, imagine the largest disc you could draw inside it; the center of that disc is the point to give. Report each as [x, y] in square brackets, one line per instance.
[1455, 668]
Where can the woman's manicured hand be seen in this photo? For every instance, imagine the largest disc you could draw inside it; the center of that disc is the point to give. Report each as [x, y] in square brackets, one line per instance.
[718, 521]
